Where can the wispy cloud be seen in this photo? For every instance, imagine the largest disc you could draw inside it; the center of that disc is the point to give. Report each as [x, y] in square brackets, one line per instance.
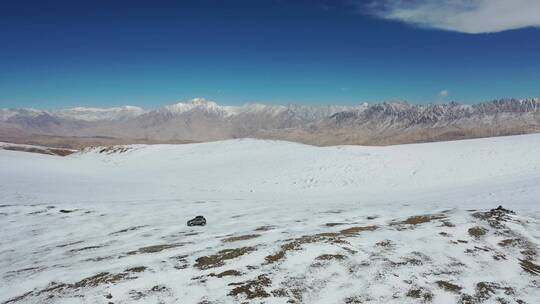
[443, 93]
[467, 16]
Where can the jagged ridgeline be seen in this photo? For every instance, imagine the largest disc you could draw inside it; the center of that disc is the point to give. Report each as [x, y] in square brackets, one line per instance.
[201, 120]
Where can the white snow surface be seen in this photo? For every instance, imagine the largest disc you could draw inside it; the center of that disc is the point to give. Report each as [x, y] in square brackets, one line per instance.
[127, 207]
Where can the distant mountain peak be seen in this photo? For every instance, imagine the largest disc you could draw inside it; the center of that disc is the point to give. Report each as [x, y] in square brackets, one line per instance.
[200, 119]
[200, 104]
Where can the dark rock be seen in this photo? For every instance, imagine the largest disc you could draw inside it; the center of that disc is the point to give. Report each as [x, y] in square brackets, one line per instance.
[159, 288]
[500, 209]
[495, 217]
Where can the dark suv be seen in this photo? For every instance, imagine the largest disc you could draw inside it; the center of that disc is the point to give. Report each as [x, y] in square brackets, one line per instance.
[197, 221]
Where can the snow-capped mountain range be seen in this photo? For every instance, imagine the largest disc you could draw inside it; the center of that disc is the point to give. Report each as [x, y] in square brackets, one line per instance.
[77, 113]
[203, 120]
[195, 105]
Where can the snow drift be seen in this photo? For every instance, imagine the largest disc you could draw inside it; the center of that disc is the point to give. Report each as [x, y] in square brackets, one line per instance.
[286, 223]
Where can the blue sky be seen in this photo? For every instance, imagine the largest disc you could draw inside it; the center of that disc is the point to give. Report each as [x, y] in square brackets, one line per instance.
[57, 54]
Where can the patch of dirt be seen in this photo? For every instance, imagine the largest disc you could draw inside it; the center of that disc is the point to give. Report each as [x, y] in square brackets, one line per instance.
[528, 249]
[420, 293]
[334, 224]
[282, 252]
[355, 230]
[293, 288]
[453, 269]
[40, 150]
[240, 238]
[448, 224]
[484, 290]
[420, 219]
[37, 212]
[415, 258]
[101, 278]
[85, 248]
[18, 298]
[324, 259]
[181, 260]
[477, 232]
[69, 244]
[265, 228]
[279, 293]
[499, 256]
[159, 288]
[354, 300]
[101, 258]
[385, 244]
[333, 212]
[449, 286]
[127, 229]
[155, 248]
[476, 249]
[328, 237]
[137, 269]
[509, 242]
[219, 258]
[252, 289]
[226, 273]
[137, 295]
[530, 267]
[408, 262]
[14, 273]
[114, 149]
[328, 257]
[495, 217]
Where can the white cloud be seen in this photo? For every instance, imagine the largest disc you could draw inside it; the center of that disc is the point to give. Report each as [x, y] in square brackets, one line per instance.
[443, 93]
[467, 16]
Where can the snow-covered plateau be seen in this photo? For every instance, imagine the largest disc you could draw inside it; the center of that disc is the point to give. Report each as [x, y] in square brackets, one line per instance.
[287, 223]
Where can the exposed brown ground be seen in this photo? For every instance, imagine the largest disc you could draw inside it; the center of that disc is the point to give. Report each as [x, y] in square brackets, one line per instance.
[326, 136]
[77, 143]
